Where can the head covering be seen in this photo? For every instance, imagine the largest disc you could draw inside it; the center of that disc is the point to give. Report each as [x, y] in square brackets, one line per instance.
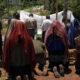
[9, 29]
[71, 32]
[60, 31]
[25, 40]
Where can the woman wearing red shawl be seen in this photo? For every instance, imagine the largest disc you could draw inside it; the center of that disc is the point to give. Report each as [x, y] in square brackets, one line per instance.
[57, 44]
[19, 54]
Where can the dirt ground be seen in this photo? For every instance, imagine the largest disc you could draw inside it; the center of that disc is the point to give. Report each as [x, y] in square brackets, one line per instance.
[70, 75]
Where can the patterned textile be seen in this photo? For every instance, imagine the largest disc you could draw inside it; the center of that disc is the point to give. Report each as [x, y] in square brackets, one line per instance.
[25, 40]
[57, 28]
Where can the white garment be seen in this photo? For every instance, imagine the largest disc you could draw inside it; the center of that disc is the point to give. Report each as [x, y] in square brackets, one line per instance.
[46, 24]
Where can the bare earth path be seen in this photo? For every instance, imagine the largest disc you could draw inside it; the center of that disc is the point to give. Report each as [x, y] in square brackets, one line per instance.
[70, 76]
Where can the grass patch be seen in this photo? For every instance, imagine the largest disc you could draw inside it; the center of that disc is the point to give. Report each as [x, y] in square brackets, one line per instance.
[38, 36]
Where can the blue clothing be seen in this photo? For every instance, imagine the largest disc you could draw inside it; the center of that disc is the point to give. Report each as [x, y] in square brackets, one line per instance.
[32, 32]
[72, 33]
[56, 49]
[55, 44]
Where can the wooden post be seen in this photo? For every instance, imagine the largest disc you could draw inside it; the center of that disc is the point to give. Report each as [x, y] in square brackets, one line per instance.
[56, 9]
[16, 5]
[65, 11]
[8, 7]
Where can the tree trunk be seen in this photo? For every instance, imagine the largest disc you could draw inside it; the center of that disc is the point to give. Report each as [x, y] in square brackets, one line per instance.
[65, 11]
[46, 4]
[8, 7]
[52, 6]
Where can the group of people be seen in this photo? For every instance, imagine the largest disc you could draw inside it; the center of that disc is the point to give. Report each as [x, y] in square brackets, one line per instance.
[25, 55]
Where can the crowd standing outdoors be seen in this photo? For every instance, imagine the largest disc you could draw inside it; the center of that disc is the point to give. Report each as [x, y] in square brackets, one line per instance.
[23, 55]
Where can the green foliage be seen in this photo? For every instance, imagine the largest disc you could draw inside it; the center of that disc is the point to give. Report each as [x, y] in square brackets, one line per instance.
[2, 8]
[29, 4]
[74, 6]
[52, 5]
[2, 5]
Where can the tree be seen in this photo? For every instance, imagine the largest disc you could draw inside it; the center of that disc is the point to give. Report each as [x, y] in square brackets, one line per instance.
[65, 11]
[2, 7]
[2, 4]
[75, 7]
[53, 8]
[52, 5]
[46, 2]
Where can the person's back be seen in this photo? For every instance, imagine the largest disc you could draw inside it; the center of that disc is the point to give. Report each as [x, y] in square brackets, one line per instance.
[56, 39]
[18, 58]
[31, 24]
[45, 25]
